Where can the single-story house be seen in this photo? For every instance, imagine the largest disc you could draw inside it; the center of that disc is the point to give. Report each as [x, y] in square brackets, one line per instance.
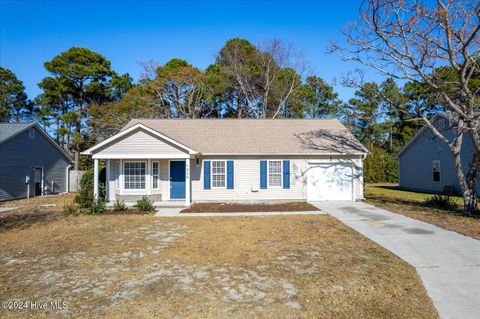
[228, 160]
[31, 163]
[425, 163]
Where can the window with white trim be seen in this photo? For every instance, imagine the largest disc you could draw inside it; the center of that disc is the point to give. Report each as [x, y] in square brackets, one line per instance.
[134, 175]
[218, 174]
[155, 175]
[436, 170]
[275, 174]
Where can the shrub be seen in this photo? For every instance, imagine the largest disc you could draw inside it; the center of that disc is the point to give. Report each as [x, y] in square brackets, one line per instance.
[85, 195]
[119, 205]
[144, 204]
[70, 209]
[97, 206]
[380, 166]
[441, 201]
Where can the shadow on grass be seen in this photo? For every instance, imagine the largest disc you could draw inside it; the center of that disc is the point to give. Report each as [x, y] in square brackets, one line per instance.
[418, 206]
[22, 221]
[414, 204]
[392, 187]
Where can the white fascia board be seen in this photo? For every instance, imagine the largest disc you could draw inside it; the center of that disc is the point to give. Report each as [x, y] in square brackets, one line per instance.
[134, 155]
[284, 154]
[133, 128]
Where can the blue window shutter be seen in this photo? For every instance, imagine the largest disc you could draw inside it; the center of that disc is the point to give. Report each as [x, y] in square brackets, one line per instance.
[263, 174]
[230, 175]
[206, 174]
[286, 174]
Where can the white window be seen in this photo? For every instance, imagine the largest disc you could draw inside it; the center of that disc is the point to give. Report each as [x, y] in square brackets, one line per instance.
[218, 174]
[155, 175]
[275, 174]
[436, 170]
[31, 133]
[134, 175]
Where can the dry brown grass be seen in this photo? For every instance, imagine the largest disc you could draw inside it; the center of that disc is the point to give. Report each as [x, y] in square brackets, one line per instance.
[412, 204]
[30, 211]
[139, 266]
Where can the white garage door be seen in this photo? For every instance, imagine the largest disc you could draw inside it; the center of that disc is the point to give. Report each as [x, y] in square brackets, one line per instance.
[330, 182]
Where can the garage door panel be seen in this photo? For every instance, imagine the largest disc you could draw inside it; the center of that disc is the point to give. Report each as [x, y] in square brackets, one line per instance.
[330, 182]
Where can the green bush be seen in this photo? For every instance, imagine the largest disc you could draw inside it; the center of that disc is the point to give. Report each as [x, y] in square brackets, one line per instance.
[119, 206]
[144, 204]
[441, 201]
[380, 166]
[85, 195]
[70, 209]
[96, 207]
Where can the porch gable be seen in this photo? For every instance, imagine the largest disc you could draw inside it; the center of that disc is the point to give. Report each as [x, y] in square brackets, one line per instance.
[139, 144]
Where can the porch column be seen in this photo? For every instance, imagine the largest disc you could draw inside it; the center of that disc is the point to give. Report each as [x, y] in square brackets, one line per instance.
[107, 180]
[95, 179]
[187, 182]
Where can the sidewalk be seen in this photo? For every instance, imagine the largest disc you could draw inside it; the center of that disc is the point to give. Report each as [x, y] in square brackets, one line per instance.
[175, 212]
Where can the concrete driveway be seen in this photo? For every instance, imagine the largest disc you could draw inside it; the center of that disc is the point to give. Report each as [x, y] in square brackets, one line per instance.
[448, 263]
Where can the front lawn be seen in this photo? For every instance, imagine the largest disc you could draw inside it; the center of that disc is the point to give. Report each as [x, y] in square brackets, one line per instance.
[140, 266]
[412, 204]
[238, 208]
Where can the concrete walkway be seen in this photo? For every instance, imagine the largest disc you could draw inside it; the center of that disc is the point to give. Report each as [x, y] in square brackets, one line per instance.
[175, 212]
[6, 209]
[448, 263]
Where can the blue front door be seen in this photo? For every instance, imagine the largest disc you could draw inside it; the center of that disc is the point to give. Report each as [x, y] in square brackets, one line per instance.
[177, 180]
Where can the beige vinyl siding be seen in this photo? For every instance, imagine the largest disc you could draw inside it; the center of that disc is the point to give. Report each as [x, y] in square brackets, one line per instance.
[112, 180]
[140, 143]
[247, 177]
[164, 179]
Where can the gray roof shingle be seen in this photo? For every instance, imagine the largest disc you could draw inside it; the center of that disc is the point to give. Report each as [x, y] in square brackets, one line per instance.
[254, 136]
[7, 130]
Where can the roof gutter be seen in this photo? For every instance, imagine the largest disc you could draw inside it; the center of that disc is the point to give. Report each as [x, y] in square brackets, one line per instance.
[286, 154]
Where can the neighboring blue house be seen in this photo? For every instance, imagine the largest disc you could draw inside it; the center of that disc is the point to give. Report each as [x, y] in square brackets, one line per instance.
[426, 163]
[31, 163]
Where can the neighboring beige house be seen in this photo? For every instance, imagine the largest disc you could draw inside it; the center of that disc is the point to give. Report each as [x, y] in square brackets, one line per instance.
[180, 161]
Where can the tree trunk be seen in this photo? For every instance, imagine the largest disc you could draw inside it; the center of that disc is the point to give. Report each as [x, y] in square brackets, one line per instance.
[469, 202]
[467, 182]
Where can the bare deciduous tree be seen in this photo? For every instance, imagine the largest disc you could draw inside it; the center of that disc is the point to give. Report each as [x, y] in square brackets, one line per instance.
[415, 40]
[266, 77]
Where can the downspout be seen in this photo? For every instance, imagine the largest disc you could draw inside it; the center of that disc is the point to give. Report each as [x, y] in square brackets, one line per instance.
[67, 171]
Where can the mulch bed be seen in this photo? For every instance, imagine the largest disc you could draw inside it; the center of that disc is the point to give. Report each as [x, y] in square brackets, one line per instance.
[240, 208]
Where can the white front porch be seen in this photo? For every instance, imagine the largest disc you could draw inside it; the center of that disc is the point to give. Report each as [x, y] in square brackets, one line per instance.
[165, 181]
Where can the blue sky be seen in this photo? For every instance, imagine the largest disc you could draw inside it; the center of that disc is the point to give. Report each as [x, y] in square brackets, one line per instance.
[32, 32]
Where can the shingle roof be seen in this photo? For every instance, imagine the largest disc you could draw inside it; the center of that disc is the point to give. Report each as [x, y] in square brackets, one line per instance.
[252, 136]
[8, 130]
